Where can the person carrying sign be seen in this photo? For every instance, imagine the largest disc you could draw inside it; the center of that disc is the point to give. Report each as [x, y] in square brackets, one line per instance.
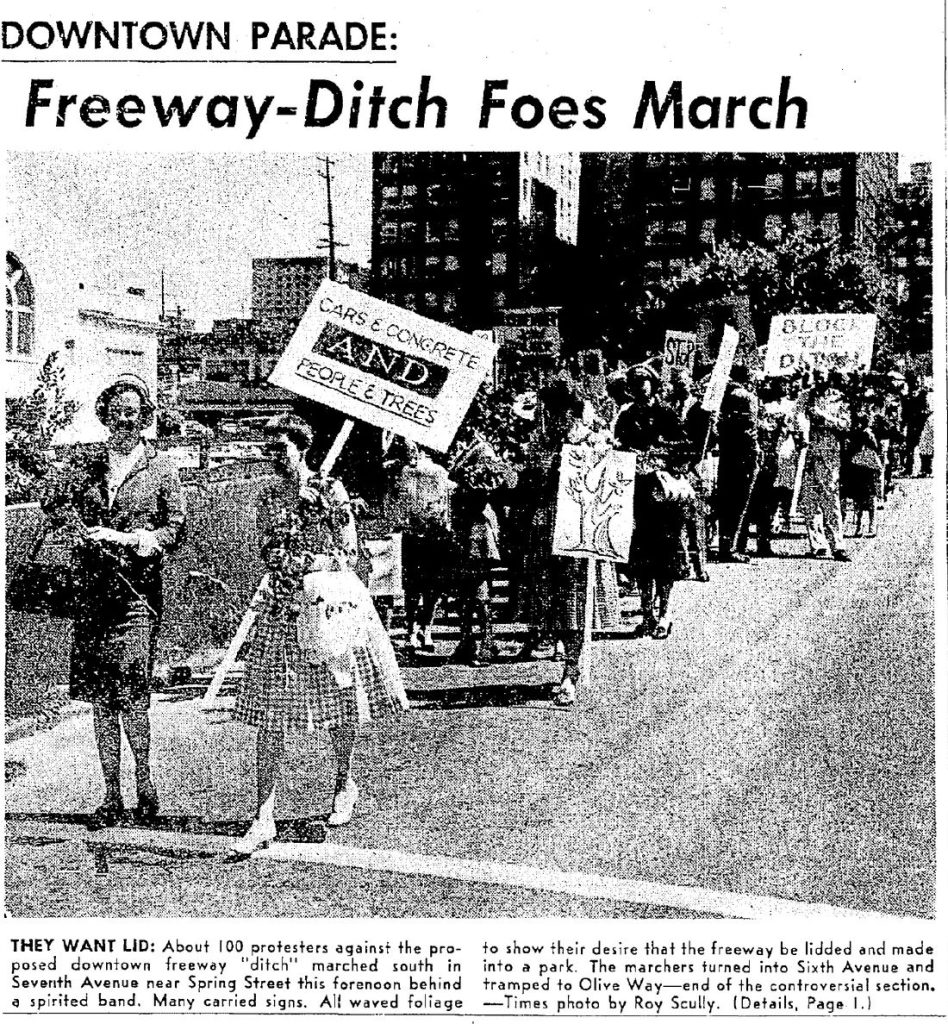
[739, 459]
[551, 592]
[829, 421]
[320, 658]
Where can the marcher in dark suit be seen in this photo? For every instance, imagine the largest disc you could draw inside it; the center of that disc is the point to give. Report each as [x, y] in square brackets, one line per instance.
[739, 458]
[125, 508]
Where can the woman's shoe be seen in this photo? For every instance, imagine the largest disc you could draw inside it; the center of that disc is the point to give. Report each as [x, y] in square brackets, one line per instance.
[565, 693]
[148, 806]
[529, 648]
[662, 630]
[257, 837]
[343, 805]
[464, 652]
[427, 640]
[106, 816]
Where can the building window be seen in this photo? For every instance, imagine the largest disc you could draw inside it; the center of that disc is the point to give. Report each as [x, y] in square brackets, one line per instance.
[498, 263]
[831, 180]
[774, 184]
[773, 227]
[451, 263]
[802, 220]
[20, 308]
[806, 183]
[707, 188]
[681, 183]
[707, 231]
[830, 223]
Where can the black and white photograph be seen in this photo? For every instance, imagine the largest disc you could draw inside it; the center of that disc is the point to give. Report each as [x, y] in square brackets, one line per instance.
[470, 534]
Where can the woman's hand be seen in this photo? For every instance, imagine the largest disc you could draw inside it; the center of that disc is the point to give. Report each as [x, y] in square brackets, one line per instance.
[106, 535]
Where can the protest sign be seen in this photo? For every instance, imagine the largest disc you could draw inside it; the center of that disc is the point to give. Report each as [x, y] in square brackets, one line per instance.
[681, 348]
[820, 341]
[721, 374]
[594, 503]
[385, 365]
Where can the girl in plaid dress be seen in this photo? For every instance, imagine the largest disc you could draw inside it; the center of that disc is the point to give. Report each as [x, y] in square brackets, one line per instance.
[307, 525]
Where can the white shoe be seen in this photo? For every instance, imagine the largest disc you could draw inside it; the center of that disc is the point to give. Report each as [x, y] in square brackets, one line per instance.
[427, 640]
[565, 694]
[257, 837]
[343, 805]
[414, 639]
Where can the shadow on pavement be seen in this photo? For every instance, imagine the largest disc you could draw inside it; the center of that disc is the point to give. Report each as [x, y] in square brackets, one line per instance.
[289, 830]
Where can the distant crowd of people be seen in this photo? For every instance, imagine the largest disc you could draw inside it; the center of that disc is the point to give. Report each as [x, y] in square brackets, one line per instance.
[814, 445]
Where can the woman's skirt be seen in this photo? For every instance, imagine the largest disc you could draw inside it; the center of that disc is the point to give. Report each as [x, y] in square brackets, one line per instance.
[551, 589]
[657, 551]
[283, 690]
[113, 652]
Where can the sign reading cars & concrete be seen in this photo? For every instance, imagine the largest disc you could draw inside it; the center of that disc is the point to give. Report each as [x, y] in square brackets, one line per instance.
[384, 365]
[820, 341]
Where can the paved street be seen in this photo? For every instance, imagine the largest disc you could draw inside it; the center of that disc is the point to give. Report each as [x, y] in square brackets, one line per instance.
[779, 746]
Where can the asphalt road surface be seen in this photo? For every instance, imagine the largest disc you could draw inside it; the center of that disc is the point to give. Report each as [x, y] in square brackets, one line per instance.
[777, 751]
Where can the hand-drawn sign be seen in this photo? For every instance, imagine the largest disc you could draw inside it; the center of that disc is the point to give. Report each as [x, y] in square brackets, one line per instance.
[594, 503]
[385, 365]
[681, 347]
[820, 341]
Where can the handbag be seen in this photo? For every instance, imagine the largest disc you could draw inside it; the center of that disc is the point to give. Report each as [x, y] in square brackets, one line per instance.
[43, 588]
[333, 618]
[673, 488]
[866, 458]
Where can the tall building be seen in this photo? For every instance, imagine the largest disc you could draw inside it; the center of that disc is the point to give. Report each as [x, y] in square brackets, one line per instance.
[445, 234]
[283, 286]
[643, 216]
[913, 260]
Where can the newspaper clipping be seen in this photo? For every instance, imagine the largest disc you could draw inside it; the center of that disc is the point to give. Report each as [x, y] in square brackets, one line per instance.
[475, 509]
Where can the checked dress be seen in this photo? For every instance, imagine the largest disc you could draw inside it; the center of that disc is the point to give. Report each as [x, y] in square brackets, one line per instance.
[284, 689]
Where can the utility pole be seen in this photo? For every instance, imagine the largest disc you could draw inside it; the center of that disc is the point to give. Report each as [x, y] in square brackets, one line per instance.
[330, 224]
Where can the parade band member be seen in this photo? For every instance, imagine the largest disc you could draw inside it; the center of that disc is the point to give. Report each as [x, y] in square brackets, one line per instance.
[307, 527]
[126, 511]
